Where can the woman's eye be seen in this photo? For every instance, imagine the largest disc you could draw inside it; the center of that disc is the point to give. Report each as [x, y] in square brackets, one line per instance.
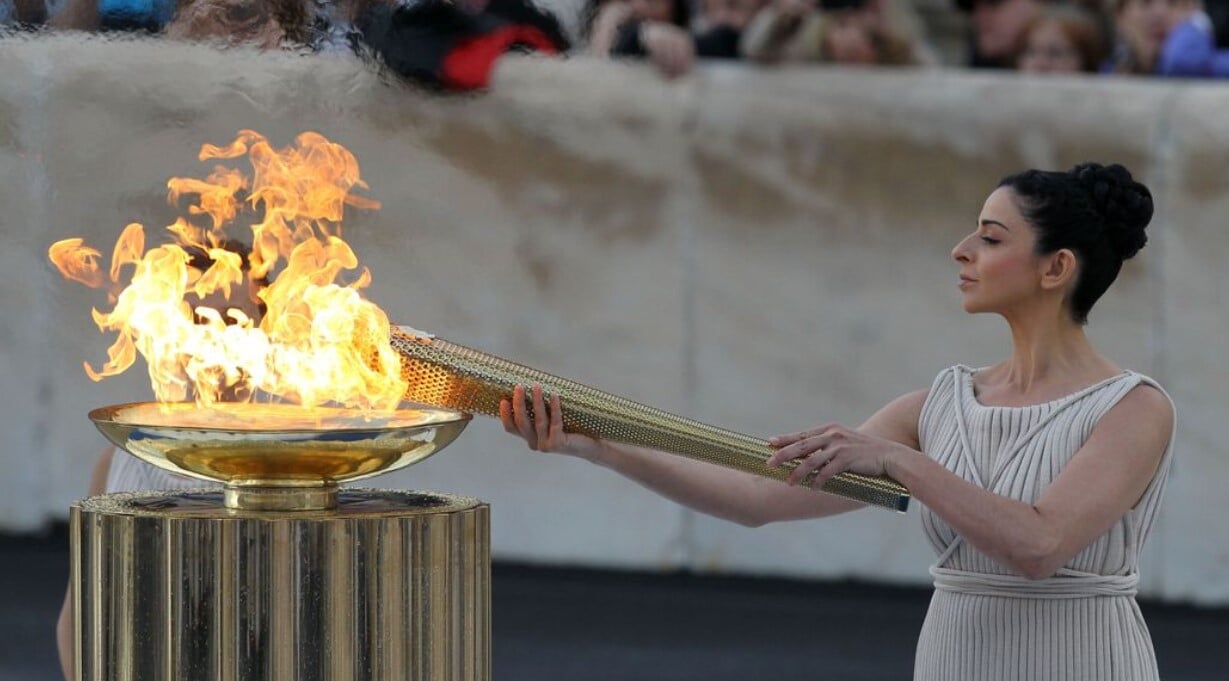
[989, 240]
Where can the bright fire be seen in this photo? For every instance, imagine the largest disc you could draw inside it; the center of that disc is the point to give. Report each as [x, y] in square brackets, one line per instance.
[192, 307]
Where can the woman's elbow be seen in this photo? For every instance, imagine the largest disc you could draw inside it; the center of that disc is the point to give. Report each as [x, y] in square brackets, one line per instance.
[748, 519]
[1040, 561]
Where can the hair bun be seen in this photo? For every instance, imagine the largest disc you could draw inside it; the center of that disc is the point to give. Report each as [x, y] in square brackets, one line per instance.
[1124, 205]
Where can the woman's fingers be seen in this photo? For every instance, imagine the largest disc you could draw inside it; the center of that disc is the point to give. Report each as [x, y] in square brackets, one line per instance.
[799, 450]
[505, 416]
[556, 422]
[528, 415]
[791, 438]
[520, 417]
[835, 464]
[538, 418]
[807, 466]
[541, 423]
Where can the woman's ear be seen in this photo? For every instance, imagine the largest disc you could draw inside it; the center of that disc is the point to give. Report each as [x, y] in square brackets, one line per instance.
[1060, 270]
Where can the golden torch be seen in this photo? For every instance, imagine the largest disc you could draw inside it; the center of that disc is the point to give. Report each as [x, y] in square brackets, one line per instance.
[443, 374]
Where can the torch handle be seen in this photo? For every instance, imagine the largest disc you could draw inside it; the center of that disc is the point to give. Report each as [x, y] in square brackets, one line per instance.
[444, 374]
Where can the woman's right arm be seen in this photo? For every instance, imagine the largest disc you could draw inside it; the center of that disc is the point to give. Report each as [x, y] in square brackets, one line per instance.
[725, 493]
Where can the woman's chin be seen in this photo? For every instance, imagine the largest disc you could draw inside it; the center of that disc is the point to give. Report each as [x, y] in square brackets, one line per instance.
[971, 306]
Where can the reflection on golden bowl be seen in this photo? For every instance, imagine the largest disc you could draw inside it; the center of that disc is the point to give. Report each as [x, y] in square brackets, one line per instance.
[277, 456]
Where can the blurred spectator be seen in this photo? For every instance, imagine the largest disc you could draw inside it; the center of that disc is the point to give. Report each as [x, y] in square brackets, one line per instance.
[660, 30]
[114, 15]
[449, 45]
[902, 19]
[604, 18]
[843, 31]
[1063, 39]
[236, 22]
[1189, 49]
[721, 24]
[1140, 27]
[135, 15]
[22, 13]
[998, 29]
[319, 24]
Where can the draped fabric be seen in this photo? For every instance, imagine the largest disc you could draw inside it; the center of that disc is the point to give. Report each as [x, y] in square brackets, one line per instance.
[987, 622]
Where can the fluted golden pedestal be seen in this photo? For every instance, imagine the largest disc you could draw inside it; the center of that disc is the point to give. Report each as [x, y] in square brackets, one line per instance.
[177, 587]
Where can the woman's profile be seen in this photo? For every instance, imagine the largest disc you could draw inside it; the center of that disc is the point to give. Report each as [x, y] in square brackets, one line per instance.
[1039, 476]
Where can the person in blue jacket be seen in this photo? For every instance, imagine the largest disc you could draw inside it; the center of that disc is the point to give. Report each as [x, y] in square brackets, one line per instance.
[1190, 48]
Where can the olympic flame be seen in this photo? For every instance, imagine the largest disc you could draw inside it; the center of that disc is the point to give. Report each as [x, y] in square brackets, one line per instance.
[214, 324]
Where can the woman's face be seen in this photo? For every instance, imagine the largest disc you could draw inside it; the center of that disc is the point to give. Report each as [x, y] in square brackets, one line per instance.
[1143, 24]
[653, 10]
[1047, 49]
[999, 269]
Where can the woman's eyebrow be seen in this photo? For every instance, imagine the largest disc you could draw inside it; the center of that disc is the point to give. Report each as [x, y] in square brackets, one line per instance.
[987, 223]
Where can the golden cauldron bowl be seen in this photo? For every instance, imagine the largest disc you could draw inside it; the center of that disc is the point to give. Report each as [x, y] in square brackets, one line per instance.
[277, 457]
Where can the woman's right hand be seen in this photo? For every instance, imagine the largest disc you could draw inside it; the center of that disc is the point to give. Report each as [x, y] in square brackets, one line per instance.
[543, 434]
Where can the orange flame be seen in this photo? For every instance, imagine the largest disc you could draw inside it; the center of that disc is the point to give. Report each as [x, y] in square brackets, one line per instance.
[77, 261]
[190, 307]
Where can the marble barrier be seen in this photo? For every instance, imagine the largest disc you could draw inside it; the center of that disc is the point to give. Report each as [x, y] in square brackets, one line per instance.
[783, 234]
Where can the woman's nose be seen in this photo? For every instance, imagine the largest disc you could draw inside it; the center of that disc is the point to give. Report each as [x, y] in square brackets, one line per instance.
[959, 253]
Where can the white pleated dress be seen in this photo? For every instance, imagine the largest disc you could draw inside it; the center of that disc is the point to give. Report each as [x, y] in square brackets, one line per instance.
[987, 623]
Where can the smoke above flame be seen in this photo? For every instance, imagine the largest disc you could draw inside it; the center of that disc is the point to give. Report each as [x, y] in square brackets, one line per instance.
[284, 320]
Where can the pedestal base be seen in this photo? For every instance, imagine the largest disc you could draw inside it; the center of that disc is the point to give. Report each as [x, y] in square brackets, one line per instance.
[175, 586]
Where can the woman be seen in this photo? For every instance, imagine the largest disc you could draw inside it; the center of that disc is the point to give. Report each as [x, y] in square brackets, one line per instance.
[1039, 476]
[1063, 39]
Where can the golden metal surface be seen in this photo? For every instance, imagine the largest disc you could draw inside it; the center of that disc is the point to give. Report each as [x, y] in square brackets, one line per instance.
[443, 374]
[277, 457]
[389, 586]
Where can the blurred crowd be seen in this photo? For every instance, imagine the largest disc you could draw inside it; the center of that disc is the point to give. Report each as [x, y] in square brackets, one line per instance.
[1140, 37]
[1175, 38]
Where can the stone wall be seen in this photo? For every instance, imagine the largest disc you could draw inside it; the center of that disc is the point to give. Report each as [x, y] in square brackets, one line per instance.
[763, 250]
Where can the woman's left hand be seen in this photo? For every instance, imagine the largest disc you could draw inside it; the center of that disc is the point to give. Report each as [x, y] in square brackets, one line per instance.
[833, 449]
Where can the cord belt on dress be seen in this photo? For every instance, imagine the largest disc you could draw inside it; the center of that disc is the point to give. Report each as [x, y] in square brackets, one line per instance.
[1066, 584]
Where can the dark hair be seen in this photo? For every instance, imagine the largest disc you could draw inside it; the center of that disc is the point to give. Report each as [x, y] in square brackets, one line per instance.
[1098, 212]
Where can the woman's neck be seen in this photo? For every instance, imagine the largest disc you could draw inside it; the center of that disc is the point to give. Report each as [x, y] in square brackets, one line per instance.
[1049, 350]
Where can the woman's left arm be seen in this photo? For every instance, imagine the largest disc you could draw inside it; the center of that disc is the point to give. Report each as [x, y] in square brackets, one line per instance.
[1101, 483]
